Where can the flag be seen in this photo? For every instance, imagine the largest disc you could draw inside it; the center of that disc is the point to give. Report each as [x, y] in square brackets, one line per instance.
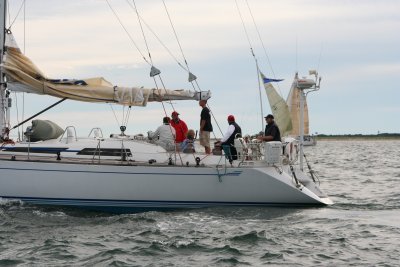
[268, 80]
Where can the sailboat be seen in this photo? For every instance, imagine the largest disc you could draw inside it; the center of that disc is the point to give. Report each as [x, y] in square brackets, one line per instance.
[127, 173]
[287, 113]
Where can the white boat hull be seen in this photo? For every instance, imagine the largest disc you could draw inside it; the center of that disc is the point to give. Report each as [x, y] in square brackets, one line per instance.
[130, 188]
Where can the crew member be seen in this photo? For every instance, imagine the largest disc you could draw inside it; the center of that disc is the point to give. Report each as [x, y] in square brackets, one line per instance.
[180, 127]
[233, 131]
[272, 132]
[164, 136]
[205, 126]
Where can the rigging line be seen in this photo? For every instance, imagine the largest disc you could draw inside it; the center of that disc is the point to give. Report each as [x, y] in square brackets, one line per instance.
[126, 116]
[16, 16]
[165, 112]
[180, 46]
[8, 14]
[23, 93]
[126, 31]
[254, 56]
[144, 36]
[148, 50]
[24, 24]
[245, 29]
[259, 90]
[40, 112]
[176, 36]
[212, 114]
[17, 109]
[123, 116]
[262, 44]
[159, 40]
[115, 116]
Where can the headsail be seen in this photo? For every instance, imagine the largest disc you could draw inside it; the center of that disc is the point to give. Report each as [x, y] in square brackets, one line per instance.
[23, 76]
[293, 102]
[278, 106]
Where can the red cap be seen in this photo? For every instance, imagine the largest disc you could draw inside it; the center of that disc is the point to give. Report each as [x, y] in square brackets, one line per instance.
[231, 118]
[174, 113]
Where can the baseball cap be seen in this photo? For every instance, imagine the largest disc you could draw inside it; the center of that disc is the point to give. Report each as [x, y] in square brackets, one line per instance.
[269, 116]
[231, 118]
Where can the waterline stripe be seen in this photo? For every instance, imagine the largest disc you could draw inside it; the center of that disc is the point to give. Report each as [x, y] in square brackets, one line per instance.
[144, 203]
[234, 173]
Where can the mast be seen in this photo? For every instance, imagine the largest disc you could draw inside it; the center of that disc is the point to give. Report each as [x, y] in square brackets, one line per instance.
[3, 94]
[311, 86]
[302, 96]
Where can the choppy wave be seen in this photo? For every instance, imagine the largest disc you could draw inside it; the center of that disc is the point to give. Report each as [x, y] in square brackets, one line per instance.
[361, 229]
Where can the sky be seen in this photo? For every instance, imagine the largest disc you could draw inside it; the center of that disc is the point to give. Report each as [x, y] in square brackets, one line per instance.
[354, 45]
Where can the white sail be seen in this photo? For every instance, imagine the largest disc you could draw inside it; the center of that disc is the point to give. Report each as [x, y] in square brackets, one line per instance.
[293, 102]
[279, 107]
[23, 76]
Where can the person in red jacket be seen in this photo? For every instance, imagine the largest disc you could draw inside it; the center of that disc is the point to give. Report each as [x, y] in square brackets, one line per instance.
[180, 127]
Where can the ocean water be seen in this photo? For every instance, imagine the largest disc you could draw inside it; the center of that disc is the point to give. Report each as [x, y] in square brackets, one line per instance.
[362, 228]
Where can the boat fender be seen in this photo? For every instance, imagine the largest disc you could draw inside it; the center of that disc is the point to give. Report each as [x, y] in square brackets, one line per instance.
[197, 161]
[151, 161]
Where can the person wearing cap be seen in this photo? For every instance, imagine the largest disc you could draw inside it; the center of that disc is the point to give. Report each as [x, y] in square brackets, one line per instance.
[229, 138]
[164, 136]
[205, 126]
[272, 132]
[180, 127]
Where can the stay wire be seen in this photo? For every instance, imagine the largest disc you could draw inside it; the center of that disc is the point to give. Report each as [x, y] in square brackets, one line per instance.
[128, 114]
[176, 36]
[245, 29]
[154, 78]
[165, 112]
[16, 16]
[23, 93]
[126, 31]
[137, 47]
[262, 44]
[254, 57]
[180, 64]
[180, 47]
[144, 36]
[148, 50]
[184, 58]
[115, 116]
[158, 39]
[17, 110]
[187, 65]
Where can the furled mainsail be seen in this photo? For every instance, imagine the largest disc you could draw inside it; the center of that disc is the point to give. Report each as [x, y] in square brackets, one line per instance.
[23, 76]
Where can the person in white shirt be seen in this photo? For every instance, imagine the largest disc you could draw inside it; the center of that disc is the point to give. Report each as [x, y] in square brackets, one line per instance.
[164, 136]
[230, 135]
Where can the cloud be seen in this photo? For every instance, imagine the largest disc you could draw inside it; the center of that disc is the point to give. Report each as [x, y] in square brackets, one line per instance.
[78, 39]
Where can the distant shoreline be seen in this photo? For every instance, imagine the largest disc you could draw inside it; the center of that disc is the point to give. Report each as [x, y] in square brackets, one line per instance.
[358, 137]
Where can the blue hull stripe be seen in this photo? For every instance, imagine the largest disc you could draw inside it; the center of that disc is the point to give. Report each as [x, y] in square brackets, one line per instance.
[234, 173]
[154, 204]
